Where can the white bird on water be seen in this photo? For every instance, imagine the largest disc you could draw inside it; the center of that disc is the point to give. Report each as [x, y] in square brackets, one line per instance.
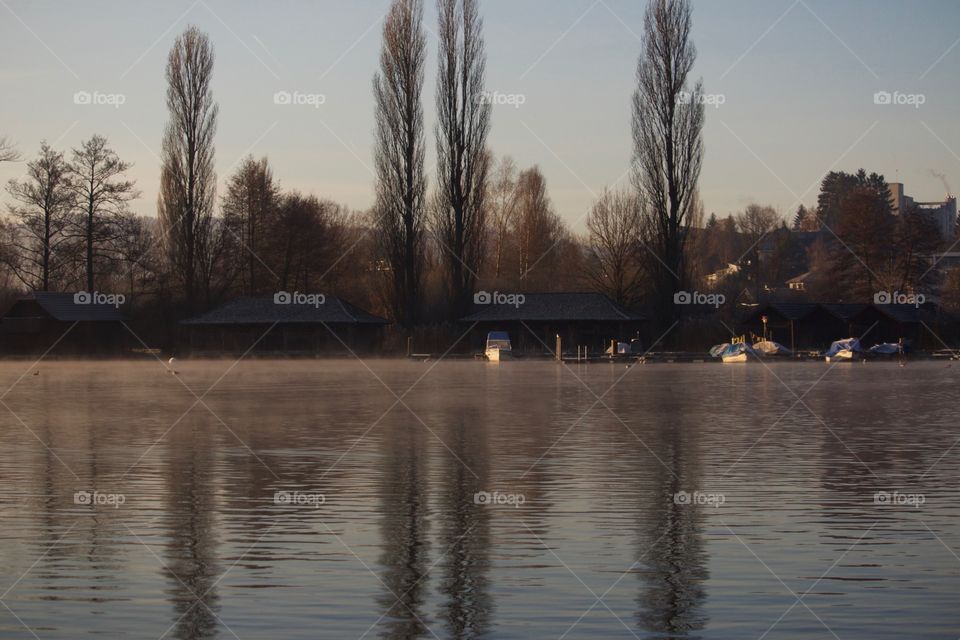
[172, 361]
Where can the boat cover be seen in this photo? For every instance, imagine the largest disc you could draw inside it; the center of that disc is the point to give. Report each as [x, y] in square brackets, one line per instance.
[847, 344]
[771, 348]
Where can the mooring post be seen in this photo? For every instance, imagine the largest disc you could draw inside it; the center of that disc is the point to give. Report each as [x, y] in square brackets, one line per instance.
[557, 354]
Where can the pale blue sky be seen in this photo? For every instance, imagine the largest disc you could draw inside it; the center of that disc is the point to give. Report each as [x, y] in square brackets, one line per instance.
[797, 78]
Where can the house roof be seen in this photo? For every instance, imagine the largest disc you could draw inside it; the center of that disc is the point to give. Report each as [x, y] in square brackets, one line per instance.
[557, 307]
[66, 307]
[263, 310]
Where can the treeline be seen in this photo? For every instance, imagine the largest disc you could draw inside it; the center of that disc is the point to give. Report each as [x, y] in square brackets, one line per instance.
[849, 246]
[428, 242]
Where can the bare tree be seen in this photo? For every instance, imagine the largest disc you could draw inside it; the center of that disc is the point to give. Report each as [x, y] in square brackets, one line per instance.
[668, 149]
[136, 249]
[616, 264]
[399, 155]
[502, 201]
[305, 241]
[249, 205]
[462, 159]
[102, 196]
[537, 228]
[187, 179]
[45, 201]
[8, 152]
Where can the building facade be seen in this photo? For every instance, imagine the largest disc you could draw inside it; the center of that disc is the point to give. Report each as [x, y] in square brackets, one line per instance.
[944, 213]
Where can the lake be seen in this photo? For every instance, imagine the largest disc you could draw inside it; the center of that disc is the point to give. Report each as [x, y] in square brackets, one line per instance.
[393, 499]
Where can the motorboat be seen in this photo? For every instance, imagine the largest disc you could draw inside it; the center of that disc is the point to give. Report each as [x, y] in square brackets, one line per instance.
[498, 346]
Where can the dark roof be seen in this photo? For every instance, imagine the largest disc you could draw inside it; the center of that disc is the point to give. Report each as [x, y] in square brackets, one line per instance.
[844, 310]
[558, 307]
[902, 313]
[789, 310]
[66, 307]
[263, 310]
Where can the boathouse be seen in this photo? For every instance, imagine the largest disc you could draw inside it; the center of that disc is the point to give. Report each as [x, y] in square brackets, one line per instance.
[813, 326]
[63, 324]
[534, 320]
[283, 325]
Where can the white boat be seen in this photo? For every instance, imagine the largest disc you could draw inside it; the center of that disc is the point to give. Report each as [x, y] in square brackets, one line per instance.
[843, 350]
[498, 346]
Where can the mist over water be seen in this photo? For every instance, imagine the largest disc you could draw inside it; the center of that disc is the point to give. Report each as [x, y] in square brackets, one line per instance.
[395, 499]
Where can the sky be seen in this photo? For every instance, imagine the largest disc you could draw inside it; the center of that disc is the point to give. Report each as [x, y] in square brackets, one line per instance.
[793, 90]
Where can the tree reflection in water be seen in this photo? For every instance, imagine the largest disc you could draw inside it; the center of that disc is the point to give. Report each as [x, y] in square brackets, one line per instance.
[671, 550]
[404, 524]
[191, 563]
[465, 531]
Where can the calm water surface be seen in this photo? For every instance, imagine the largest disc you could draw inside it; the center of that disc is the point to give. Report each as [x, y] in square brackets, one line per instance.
[339, 499]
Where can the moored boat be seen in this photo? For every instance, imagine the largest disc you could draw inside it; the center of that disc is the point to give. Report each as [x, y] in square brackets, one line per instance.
[885, 349]
[498, 346]
[771, 348]
[738, 352]
[717, 350]
[843, 350]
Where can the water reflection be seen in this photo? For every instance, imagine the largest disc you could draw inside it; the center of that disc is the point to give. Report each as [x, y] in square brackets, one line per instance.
[670, 546]
[465, 534]
[404, 525]
[191, 563]
[403, 501]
